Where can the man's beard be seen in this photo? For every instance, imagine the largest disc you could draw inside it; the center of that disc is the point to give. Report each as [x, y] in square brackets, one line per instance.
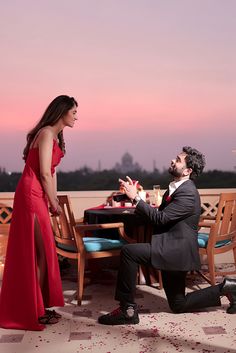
[175, 172]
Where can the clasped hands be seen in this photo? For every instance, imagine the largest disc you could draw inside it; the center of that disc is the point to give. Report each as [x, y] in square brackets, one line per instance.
[129, 187]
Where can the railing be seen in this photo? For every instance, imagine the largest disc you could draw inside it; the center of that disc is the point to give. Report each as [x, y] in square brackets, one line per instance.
[82, 200]
[209, 204]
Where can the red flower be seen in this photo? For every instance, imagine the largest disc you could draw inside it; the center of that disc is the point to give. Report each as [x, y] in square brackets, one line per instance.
[168, 198]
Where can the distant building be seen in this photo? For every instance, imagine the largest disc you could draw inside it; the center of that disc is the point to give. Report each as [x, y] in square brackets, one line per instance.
[127, 164]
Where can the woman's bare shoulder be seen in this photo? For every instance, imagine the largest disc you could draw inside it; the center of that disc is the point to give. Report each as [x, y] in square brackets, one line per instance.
[46, 133]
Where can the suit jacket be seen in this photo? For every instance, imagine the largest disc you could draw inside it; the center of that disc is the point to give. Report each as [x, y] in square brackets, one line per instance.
[174, 245]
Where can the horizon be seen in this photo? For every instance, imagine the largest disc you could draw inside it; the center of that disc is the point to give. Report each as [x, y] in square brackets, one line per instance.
[99, 168]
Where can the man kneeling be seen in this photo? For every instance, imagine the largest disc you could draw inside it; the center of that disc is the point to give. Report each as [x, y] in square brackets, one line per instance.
[173, 249]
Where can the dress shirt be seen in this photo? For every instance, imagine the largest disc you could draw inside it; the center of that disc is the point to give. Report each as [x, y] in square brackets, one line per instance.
[174, 185]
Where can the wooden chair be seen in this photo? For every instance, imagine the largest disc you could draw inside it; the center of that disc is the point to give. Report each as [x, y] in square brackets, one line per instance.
[5, 218]
[77, 241]
[219, 236]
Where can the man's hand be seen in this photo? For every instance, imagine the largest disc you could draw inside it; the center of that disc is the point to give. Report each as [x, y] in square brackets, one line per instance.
[129, 187]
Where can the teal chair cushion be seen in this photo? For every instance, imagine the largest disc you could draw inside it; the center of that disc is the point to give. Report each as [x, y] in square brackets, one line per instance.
[95, 244]
[203, 240]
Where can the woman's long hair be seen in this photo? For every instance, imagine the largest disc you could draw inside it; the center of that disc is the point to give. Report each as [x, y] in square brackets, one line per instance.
[56, 110]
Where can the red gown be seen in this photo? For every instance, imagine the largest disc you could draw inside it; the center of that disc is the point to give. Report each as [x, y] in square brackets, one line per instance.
[21, 299]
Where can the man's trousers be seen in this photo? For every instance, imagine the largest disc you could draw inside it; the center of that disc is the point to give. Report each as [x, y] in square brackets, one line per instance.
[133, 255]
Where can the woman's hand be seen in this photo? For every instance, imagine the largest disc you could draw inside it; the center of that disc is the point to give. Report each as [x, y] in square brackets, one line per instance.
[129, 187]
[55, 211]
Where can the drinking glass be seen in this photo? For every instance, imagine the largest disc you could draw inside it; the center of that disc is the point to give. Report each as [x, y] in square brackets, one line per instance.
[157, 195]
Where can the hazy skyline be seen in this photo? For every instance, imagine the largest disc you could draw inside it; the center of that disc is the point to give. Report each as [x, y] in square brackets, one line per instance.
[150, 76]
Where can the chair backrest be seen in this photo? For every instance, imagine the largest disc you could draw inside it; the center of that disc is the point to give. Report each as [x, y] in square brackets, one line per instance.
[63, 225]
[226, 216]
[5, 213]
[5, 218]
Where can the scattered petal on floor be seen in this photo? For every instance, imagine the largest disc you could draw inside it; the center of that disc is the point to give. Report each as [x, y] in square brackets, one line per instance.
[159, 330]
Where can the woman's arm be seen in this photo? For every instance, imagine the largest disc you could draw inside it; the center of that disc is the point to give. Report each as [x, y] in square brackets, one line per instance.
[45, 144]
[54, 180]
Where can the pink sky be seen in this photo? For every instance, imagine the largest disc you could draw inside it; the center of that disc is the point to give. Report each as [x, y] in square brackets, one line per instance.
[150, 76]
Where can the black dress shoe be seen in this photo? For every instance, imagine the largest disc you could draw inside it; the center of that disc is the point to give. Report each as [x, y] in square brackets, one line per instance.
[229, 289]
[124, 315]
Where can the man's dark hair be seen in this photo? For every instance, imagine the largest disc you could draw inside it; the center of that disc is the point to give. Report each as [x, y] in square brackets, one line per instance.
[194, 160]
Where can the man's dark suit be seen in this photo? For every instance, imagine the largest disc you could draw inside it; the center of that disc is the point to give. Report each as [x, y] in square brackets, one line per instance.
[174, 245]
[173, 250]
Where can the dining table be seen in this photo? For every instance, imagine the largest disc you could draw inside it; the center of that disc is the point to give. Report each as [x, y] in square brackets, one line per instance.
[136, 227]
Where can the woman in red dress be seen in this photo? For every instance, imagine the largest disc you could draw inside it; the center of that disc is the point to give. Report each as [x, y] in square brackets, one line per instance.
[31, 279]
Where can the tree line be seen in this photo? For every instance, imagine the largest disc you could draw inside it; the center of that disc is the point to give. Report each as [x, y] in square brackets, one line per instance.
[86, 179]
